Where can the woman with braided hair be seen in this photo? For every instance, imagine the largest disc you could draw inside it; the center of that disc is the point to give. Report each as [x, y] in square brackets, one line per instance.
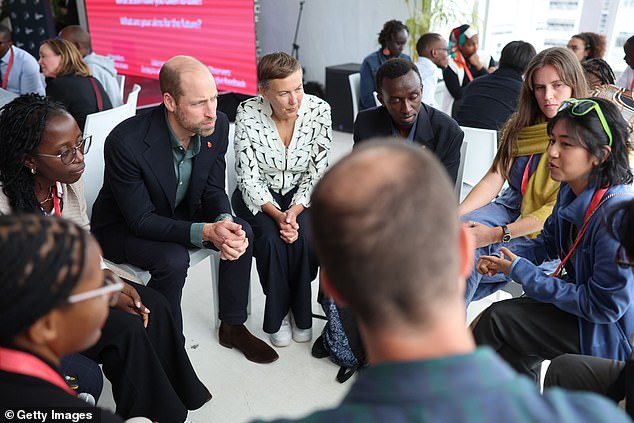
[392, 38]
[53, 301]
[41, 163]
[601, 80]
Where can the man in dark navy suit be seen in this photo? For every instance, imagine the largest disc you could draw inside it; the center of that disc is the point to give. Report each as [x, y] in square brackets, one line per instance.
[164, 193]
[403, 114]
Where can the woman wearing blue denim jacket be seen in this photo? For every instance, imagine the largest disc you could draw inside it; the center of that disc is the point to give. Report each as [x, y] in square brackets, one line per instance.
[584, 307]
[393, 38]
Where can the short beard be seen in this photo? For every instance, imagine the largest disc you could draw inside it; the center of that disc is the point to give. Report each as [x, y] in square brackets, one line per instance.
[198, 130]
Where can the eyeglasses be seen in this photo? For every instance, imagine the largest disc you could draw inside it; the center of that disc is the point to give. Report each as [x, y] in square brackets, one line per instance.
[582, 108]
[112, 286]
[622, 260]
[68, 155]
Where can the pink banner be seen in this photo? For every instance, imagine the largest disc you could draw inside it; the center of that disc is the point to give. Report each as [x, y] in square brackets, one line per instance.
[142, 34]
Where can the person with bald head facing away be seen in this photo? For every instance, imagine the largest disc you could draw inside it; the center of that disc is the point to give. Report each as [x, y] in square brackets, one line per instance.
[409, 300]
[164, 193]
[402, 114]
[101, 67]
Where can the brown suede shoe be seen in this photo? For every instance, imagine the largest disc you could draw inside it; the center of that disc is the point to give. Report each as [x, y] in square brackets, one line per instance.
[254, 349]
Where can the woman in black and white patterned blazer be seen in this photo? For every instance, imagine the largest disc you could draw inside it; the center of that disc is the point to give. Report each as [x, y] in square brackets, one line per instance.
[282, 142]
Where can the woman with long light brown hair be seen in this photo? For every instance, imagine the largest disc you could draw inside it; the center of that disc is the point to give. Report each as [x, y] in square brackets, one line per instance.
[69, 81]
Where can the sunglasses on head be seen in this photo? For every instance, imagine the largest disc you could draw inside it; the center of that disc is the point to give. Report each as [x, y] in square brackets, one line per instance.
[582, 108]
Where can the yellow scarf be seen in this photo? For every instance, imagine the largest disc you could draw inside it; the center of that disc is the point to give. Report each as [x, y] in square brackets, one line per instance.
[541, 192]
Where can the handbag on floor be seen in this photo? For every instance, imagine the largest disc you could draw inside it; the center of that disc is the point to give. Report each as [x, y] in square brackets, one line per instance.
[341, 339]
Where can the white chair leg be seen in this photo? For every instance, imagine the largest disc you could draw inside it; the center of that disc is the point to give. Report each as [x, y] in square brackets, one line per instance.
[214, 261]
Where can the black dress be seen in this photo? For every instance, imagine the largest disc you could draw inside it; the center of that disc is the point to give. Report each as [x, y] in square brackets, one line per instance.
[77, 94]
[149, 369]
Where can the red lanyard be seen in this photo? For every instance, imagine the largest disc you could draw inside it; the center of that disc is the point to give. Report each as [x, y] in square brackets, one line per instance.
[26, 364]
[463, 63]
[526, 175]
[594, 205]
[6, 74]
[58, 192]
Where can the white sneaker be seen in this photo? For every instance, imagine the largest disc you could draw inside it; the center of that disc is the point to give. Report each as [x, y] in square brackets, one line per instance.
[301, 335]
[85, 396]
[282, 337]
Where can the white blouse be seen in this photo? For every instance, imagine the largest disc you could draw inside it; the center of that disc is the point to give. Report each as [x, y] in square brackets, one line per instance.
[262, 160]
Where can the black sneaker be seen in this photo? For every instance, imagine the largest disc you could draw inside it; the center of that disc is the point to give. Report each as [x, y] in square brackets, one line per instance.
[318, 350]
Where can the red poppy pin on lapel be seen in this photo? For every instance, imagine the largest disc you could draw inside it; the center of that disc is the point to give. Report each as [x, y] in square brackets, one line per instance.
[209, 144]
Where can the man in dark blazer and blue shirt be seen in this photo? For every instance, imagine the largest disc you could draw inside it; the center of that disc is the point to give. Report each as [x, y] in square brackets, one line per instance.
[164, 193]
[402, 114]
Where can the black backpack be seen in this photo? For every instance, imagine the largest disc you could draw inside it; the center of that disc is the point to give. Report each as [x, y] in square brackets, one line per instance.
[341, 339]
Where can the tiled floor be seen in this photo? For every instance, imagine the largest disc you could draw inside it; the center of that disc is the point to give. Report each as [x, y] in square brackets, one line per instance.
[293, 386]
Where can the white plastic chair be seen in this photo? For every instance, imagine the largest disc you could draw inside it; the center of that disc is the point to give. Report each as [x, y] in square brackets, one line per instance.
[121, 82]
[355, 91]
[133, 98]
[483, 145]
[376, 98]
[460, 175]
[196, 255]
[99, 126]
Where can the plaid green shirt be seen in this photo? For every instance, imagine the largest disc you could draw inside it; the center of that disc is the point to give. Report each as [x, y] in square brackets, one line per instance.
[477, 388]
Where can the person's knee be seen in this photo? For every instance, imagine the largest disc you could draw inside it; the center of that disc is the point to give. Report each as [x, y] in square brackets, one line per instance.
[174, 261]
[245, 227]
[482, 325]
[127, 326]
[558, 369]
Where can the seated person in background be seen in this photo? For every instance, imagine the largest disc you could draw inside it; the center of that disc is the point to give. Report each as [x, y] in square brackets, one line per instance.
[6, 96]
[432, 57]
[69, 81]
[423, 363]
[402, 114]
[614, 379]
[626, 80]
[282, 142]
[598, 73]
[101, 67]
[521, 209]
[465, 64]
[171, 161]
[585, 306]
[41, 163]
[392, 38]
[601, 81]
[488, 101]
[53, 302]
[19, 71]
[588, 45]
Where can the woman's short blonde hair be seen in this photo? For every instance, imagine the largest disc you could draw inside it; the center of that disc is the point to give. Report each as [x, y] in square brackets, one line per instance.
[276, 66]
[72, 63]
